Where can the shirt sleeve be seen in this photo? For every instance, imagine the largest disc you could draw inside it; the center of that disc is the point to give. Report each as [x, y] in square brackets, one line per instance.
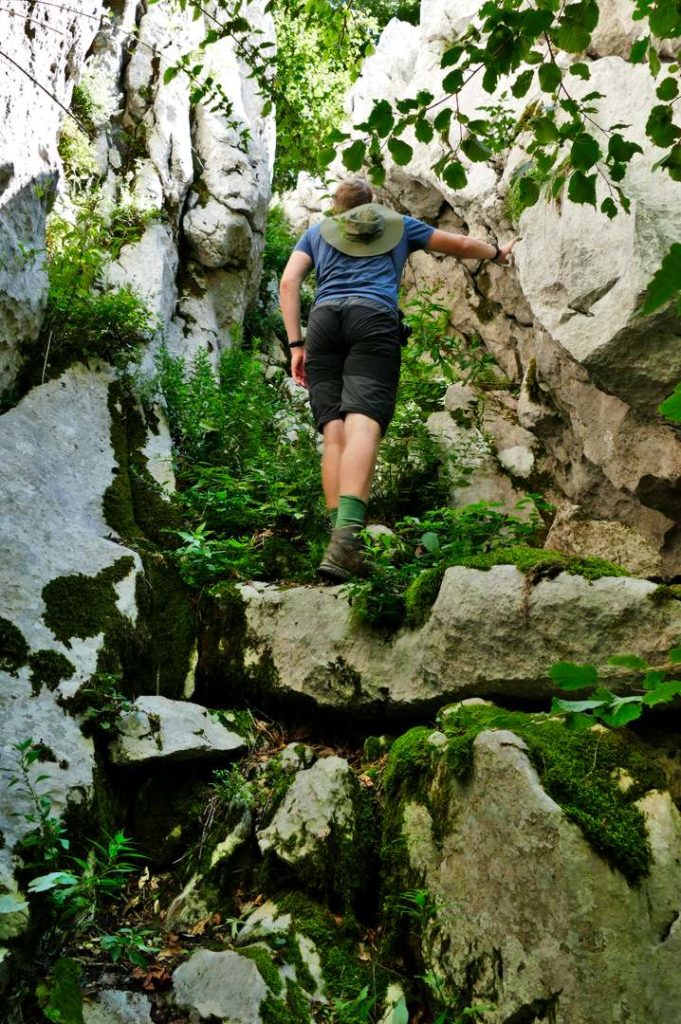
[303, 245]
[418, 233]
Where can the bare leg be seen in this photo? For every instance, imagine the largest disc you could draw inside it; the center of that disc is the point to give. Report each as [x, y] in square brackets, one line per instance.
[334, 443]
[362, 436]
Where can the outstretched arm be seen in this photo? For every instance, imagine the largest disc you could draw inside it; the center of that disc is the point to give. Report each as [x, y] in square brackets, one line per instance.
[297, 268]
[467, 248]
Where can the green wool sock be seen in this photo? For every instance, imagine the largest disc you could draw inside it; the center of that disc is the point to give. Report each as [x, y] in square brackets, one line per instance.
[351, 511]
[332, 513]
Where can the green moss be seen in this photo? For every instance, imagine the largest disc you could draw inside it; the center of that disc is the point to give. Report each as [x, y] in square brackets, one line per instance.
[13, 647]
[225, 670]
[420, 596]
[541, 563]
[375, 747]
[263, 959]
[667, 592]
[336, 941]
[579, 771]
[134, 504]
[48, 668]
[410, 756]
[83, 606]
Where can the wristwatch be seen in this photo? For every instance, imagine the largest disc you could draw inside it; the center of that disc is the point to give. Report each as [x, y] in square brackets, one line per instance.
[497, 254]
[299, 343]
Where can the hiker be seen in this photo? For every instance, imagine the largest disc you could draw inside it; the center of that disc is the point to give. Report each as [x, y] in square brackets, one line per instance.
[350, 358]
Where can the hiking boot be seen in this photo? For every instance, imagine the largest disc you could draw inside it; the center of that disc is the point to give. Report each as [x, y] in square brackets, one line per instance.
[344, 557]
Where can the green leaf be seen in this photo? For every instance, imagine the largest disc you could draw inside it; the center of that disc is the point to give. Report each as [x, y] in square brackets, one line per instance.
[455, 175]
[474, 149]
[400, 1013]
[621, 149]
[653, 678]
[637, 54]
[579, 722]
[169, 74]
[672, 163]
[431, 542]
[662, 693]
[621, 711]
[609, 208]
[522, 83]
[377, 175]
[660, 126]
[545, 130]
[400, 151]
[675, 653]
[628, 661]
[668, 89]
[585, 151]
[654, 62]
[671, 407]
[381, 118]
[423, 130]
[536, 21]
[65, 1003]
[664, 286]
[423, 97]
[51, 881]
[664, 19]
[569, 676]
[559, 706]
[549, 77]
[451, 56]
[582, 188]
[12, 903]
[581, 70]
[528, 192]
[443, 120]
[453, 81]
[353, 156]
[326, 156]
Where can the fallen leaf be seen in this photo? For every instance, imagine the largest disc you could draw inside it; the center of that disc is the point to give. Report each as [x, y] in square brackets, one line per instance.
[367, 781]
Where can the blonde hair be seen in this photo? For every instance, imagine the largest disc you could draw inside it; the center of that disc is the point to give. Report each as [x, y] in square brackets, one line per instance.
[350, 193]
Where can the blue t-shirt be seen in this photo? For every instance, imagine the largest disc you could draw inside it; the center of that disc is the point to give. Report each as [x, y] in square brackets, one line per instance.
[373, 277]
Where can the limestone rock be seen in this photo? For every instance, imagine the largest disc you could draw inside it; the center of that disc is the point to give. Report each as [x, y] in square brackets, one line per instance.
[218, 238]
[535, 922]
[476, 472]
[49, 44]
[318, 808]
[56, 463]
[149, 268]
[159, 729]
[113, 1006]
[575, 535]
[488, 633]
[224, 985]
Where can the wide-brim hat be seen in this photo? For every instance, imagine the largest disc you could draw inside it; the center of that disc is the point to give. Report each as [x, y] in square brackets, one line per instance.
[367, 230]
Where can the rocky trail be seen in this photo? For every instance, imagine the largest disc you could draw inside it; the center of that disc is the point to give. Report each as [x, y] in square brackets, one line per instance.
[232, 794]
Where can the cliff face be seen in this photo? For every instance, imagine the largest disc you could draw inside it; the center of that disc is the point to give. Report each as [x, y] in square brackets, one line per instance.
[562, 323]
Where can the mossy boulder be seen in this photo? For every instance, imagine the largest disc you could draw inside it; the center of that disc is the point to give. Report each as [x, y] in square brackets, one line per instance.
[535, 849]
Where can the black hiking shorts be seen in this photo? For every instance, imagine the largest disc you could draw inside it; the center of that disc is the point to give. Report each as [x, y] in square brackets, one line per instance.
[352, 360]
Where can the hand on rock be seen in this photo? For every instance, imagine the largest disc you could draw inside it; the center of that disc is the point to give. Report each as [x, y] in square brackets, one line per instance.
[505, 252]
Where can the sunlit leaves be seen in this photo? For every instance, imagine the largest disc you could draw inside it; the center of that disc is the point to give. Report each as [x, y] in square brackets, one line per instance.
[400, 151]
[665, 284]
[668, 89]
[381, 118]
[570, 676]
[660, 127]
[474, 149]
[454, 175]
[549, 77]
[585, 151]
[353, 156]
[582, 188]
[522, 83]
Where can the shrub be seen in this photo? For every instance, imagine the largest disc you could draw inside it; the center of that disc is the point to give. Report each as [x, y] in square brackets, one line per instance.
[247, 462]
